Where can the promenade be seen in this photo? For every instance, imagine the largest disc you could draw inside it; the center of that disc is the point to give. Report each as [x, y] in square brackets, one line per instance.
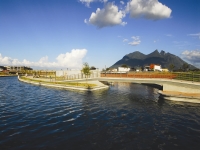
[171, 89]
[82, 85]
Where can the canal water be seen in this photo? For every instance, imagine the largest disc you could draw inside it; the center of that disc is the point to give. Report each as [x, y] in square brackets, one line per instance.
[126, 116]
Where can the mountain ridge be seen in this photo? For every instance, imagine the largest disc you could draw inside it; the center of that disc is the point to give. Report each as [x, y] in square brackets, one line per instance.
[162, 58]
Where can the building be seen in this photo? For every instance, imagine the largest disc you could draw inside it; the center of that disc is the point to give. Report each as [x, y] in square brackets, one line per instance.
[113, 69]
[17, 68]
[2, 68]
[146, 68]
[165, 70]
[155, 67]
[123, 69]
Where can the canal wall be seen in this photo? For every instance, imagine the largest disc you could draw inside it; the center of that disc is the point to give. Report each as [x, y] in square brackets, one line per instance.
[99, 85]
[168, 84]
[175, 90]
[181, 87]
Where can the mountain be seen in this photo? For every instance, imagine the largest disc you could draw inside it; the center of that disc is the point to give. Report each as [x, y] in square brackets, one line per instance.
[162, 58]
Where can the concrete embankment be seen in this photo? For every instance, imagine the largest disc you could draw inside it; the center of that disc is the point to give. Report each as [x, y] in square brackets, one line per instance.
[177, 90]
[98, 85]
[180, 96]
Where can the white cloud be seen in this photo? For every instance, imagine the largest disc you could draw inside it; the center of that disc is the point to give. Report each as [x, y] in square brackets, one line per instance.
[124, 23]
[192, 56]
[71, 59]
[195, 35]
[136, 41]
[122, 2]
[149, 9]
[87, 2]
[85, 21]
[108, 16]
[125, 40]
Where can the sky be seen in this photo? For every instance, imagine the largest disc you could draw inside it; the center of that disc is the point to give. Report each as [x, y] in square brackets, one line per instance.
[61, 34]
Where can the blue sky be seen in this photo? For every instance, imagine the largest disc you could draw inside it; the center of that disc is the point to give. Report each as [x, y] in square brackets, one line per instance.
[60, 34]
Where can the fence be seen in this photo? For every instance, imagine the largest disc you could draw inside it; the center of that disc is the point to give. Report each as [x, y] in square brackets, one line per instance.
[78, 76]
[194, 77]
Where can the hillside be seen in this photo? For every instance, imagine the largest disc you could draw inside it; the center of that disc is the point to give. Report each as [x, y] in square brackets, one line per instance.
[139, 59]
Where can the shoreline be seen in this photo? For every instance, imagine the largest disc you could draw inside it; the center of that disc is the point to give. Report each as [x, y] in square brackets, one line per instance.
[8, 75]
[180, 96]
[99, 85]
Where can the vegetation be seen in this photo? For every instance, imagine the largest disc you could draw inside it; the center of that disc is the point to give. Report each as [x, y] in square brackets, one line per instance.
[86, 69]
[171, 67]
[151, 66]
[92, 68]
[186, 76]
[58, 83]
[185, 66]
[124, 65]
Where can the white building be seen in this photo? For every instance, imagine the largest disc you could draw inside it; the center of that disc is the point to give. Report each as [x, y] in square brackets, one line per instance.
[157, 68]
[123, 69]
[113, 70]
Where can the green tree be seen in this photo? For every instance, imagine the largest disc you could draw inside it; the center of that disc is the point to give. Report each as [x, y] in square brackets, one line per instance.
[185, 66]
[86, 70]
[171, 67]
[124, 65]
[92, 68]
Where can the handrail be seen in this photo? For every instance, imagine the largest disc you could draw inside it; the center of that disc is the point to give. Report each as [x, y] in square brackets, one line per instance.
[185, 76]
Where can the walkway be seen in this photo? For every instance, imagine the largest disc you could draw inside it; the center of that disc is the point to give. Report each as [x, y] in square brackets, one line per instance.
[176, 90]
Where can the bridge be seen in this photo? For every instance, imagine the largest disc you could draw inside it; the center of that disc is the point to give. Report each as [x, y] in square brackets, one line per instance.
[171, 89]
[172, 86]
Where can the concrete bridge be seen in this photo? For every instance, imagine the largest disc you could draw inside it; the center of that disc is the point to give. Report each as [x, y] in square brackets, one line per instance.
[171, 89]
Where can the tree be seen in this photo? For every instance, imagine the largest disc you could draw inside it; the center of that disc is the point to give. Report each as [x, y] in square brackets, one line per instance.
[185, 66]
[142, 68]
[171, 67]
[124, 65]
[151, 66]
[107, 69]
[92, 68]
[86, 69]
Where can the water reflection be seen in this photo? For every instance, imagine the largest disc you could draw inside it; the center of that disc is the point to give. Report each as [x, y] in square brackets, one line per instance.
[126, 116]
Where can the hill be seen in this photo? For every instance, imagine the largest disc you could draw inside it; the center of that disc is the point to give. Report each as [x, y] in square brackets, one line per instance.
[162, 58]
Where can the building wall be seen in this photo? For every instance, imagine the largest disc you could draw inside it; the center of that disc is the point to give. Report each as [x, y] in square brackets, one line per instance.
[76, 73]
[122, 69]
[18, 68]
[156, 67]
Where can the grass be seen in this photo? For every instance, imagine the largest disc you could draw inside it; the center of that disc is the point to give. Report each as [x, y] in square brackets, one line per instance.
[60, 83]
[186, 76]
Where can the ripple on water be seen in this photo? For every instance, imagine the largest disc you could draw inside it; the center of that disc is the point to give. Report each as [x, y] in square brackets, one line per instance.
[126, 116]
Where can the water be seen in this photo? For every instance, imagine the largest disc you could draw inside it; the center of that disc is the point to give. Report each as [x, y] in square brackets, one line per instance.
[126, 116]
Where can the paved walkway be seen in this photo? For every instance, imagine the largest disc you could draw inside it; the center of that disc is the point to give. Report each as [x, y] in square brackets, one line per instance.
[152, 80]
[98, 84]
